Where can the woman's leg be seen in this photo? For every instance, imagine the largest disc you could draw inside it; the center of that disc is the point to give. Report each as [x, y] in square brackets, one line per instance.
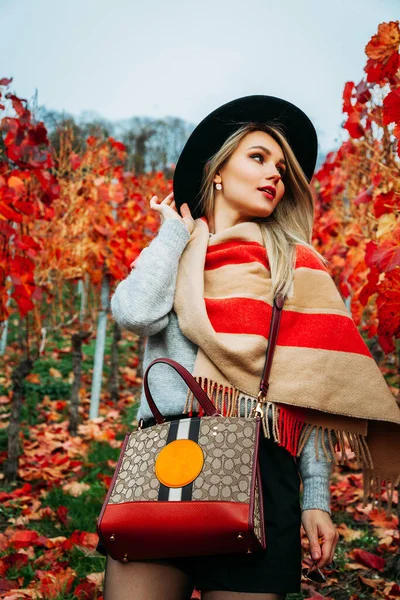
[151, 580]
[223, 595]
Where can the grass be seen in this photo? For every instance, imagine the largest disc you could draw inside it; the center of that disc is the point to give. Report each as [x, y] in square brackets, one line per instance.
[84, 563]
[82, 511]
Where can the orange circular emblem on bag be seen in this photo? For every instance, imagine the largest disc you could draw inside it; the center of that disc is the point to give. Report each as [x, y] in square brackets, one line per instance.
[179, 463]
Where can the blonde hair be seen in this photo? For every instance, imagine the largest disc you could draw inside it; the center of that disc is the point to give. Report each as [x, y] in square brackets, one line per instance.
[289, 224]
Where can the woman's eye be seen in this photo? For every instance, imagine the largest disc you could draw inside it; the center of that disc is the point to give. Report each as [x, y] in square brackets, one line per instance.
[282, 169]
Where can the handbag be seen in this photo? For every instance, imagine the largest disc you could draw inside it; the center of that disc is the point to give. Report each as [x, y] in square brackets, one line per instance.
[189, 486]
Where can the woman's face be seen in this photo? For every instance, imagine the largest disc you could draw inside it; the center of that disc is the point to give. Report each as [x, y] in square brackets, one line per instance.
[248, 169]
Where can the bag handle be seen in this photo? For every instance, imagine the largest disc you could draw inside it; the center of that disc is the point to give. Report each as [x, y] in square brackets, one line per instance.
[198, 391]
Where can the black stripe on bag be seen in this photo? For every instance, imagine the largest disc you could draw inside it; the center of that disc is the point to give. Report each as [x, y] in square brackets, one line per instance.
[173, 432]
[163, 492]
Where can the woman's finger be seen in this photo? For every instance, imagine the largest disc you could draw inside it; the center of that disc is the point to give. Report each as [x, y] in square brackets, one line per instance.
[315, 550]
[326, 552]
[153, 203]
[168, 198]
[335, 541]
[328, 548]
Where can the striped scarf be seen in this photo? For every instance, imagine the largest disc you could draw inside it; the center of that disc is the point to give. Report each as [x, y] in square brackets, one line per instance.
[323, 375]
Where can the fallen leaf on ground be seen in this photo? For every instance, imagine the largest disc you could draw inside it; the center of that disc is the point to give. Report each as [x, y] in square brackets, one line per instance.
[368, 559]
[75, 488]
[371, 582]
[348, 534]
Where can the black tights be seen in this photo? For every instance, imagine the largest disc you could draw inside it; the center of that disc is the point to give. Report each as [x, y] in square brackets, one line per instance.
[159, 579]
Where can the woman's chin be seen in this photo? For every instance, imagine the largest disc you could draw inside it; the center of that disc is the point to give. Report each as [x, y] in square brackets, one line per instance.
[262, 213]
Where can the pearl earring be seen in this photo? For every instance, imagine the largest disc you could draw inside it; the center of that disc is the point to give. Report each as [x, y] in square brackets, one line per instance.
[218, 186]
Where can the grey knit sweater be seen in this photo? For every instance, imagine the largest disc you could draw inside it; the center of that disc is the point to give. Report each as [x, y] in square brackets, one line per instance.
[143, 303]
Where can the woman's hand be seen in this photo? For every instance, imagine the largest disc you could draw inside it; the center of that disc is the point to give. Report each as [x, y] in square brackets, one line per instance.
[320, 530]
[167, 210]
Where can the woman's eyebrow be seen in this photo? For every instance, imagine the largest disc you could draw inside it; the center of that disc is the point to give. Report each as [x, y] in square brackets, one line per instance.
[268, 152]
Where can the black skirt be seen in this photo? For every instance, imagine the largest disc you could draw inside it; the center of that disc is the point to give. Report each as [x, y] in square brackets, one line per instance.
[278, 568]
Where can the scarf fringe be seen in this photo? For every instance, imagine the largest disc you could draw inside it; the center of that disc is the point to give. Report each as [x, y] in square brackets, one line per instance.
[374, 485]
[293, 433]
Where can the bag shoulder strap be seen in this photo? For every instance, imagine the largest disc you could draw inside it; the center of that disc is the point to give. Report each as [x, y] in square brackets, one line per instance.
[272, 337]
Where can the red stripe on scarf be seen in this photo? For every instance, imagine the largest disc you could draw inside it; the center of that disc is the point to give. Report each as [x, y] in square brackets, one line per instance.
[306, 258]
[250, 316]
[230, 253]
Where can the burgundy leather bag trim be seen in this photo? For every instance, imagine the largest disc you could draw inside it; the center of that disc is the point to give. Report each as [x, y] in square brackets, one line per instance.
[256, 476]
[110, 489]
[175, 525]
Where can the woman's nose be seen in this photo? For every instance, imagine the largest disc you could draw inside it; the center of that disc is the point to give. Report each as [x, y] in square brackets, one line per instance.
[275, 175]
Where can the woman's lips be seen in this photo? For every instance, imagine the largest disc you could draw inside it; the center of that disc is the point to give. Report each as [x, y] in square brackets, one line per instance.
[268, 195]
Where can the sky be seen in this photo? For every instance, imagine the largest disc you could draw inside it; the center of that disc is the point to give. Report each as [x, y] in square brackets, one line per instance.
[181, 58]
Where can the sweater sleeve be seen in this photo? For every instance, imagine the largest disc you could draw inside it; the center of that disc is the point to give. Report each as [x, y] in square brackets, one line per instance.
[315, 474]
[142, 301]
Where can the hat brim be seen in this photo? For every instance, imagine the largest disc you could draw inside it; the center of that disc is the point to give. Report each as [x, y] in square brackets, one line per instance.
[209, 135]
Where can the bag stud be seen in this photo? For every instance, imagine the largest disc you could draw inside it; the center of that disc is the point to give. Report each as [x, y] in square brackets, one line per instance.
[240, 537]
[125, 559]
[112, 538]
[249, 551]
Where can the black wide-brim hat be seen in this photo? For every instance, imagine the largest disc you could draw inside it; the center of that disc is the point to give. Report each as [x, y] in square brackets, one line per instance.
[209, 135]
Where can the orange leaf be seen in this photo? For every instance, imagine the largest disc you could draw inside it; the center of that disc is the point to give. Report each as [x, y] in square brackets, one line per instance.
[374, 583]
[385, 42]
[348, 534]
[85, 538]
[380, 519]
[53, 585]
[382, 50]
[352, 566]
[33, 378]
[55, 373]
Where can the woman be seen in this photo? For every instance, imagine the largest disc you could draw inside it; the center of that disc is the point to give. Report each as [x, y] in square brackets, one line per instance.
[210, 256]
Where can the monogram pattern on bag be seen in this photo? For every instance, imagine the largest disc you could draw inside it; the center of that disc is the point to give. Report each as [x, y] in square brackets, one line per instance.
[136, 479]
[226, 475]
[228, 464]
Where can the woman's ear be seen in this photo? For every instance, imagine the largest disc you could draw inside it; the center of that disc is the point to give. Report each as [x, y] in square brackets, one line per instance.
[217, 178]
